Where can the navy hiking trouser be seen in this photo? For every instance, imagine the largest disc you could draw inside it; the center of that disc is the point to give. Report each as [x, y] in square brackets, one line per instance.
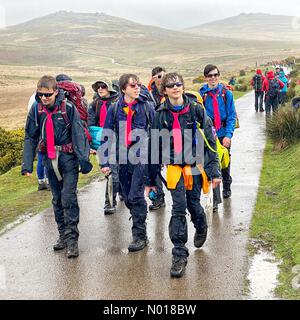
[182, 200]
[271, 103]
[132, 184]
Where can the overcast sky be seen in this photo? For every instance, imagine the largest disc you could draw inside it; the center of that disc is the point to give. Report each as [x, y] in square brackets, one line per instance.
[174, 14]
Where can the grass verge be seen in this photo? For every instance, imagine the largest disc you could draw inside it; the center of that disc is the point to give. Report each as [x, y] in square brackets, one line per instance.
[276, 219]
[19, 194]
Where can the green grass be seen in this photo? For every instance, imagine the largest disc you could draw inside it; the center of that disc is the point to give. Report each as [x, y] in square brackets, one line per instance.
[19, 194]
[277, 214]
[238, 94]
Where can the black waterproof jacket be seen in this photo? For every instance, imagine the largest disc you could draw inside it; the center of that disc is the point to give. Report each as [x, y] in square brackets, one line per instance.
[95, 107]
[164, 120]
[63, 135]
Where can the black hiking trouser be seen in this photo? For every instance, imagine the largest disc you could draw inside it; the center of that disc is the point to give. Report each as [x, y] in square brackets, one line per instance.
[226, 179]
[259, 99]
[65, 204]
[184, 199]
[271, 103]
[132, 184]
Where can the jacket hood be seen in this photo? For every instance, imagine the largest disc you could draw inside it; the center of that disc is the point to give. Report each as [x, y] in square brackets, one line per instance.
[258, 71]
[282, 74]
[167, 105]
[59, 98]
[95, 85]
[206, 88]
[113, 95]
[270, 75]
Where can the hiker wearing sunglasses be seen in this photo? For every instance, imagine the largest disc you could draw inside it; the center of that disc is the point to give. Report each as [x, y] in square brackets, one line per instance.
[103, 99]
[65, 147]
[157, 97]
[131, 112]
[179, 115]
[219, 105]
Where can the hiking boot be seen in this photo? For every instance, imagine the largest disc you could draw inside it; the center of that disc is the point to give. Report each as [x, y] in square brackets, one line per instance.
[109, 209]
[73, 251]
[156, 204]
[42, 186]
[200, 237]
[137, 245]
[226, 194]
[178, 267]
[215, 208]
[261, 110]
[60, 244]
[121, 198]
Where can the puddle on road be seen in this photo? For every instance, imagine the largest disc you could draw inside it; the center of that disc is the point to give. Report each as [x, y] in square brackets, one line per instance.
[263, 275]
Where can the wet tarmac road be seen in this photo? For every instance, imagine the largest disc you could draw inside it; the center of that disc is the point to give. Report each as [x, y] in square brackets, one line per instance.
[105, 270]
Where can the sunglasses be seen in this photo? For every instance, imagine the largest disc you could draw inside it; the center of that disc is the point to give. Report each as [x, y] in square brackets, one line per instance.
[172, 85]
[102, 86]
[210, 75]
[135, 85]
[46, 95]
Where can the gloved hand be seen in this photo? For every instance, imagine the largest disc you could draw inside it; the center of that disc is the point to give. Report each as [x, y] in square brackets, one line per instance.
[85, 167]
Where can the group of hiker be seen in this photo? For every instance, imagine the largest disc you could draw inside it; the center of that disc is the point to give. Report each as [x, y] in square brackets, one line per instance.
[132, 118]
[270, 90]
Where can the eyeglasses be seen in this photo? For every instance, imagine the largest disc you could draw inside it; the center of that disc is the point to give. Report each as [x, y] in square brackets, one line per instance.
[135, 85]
[46, 95]
[102, 86]
[210, 75]
[159, 76]
[173, 84]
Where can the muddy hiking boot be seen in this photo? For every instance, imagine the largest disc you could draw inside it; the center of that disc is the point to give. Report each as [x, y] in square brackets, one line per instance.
[178, 267]
[73, 251]
[200, 238]
[226, 194]
[156, 204]
[137, 245]
[60, 244]
[108, 209]
[42, 186]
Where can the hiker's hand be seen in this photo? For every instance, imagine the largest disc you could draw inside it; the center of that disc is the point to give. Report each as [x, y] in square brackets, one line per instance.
[85, 167]
[148, 190]
[27, 174]
[92, 151]
[105, 170]
[226, 142]
[216, 182]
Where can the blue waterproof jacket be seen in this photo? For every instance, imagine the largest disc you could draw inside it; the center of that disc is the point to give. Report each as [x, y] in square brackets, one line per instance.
[227, 112]
[284, 80]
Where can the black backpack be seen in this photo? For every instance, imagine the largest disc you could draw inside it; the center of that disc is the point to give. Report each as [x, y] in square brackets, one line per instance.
[257, 82]
[274, 88]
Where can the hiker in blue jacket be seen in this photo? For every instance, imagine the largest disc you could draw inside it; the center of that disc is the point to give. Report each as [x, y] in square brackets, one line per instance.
[219, 105]
[283, 91]
[132, 111]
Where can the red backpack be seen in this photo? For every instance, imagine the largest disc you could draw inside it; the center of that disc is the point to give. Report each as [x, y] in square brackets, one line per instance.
[73, 93]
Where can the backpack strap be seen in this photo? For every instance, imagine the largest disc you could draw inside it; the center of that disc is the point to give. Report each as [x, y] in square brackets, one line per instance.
[63, 110]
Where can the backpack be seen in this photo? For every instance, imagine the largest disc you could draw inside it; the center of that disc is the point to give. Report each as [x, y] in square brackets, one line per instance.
[257, 82]
[223, 94]
[274, 88]
[73, 92]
